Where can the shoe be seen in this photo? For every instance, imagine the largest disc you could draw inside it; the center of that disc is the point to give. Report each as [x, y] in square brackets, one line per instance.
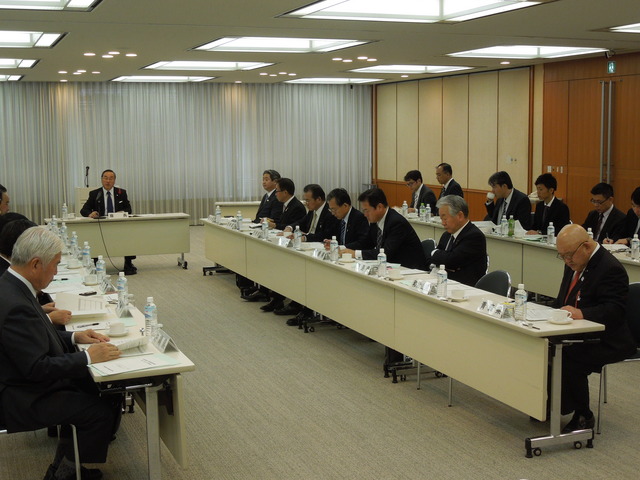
[294, 322]
[130, 269]
[272, 305]
[248, 291]
[287, 310]
[299, 319]
[256, 296]
[85, 474]
[579, 422]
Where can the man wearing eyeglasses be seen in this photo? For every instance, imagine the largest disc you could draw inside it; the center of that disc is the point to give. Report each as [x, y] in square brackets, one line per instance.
[420, 193]
[605, 220]
[594, 287]
[631, 224]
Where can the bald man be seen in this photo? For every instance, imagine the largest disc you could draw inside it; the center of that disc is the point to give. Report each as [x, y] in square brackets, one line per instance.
[594, 287]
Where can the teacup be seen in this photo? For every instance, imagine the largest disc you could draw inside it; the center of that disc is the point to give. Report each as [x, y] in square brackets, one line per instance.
[457, 294]
[116, 328]
[561, 316]
[347, 257]
[395, 274]
[491, 195]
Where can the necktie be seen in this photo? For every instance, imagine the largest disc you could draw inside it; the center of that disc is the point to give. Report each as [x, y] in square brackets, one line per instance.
[637, 226]
[379, 238]
[450, 244]
[415, 201]
[545, 214]
[109, 203]
[343, 231]
[574, 280]
[441, 193]
[314, 223]
[503, 212]
[596, 234]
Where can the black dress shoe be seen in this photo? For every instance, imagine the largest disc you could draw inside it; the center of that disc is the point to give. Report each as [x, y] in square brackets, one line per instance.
[579, 422]
[248, 291]
[272, 305]
[85, 474]
[128, 271]
[256, 296]
[287, 310]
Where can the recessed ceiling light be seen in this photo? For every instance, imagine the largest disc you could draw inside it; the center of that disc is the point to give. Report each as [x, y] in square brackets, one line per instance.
[631, 28]
[334, 81]
[292, 74]
[16, 63]
[404, 76]
[408, 11]
[282, 73]
[203, 65]
[131, 55]
[107, 56]
[238, 81]
[160, 79]
[95, 73]
[47, 4]
[10, 78]
[62, 72]
[77, 73]
[372, 59]
[89, 54]
[264, 73]
[347, 60]
[273, 75]
[278, 44]
[337, 59]
[363, 58]
[114, 53]
[505, 63]
[526, 52]
[21, 39]
[81, 71]
[64, 80]
[415, 69]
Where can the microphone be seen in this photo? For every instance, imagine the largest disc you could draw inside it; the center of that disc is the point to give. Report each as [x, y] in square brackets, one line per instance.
[86, 177]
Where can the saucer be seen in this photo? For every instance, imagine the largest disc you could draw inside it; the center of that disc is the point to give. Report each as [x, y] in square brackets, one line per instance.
[126, 332]
[70, 267]
[463, 299]
[566, 321]
[347, 260]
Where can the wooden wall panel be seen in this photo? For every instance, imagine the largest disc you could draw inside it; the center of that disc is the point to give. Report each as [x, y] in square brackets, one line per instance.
[430, 127]
[555, 130]
[407, 129]
[455, 125]
[537, 120]
[483, 128]
[513, 126]
[386, 130]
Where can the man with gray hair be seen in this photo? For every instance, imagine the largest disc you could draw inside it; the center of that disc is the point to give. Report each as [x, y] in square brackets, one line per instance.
[44, 381]
[462, 249]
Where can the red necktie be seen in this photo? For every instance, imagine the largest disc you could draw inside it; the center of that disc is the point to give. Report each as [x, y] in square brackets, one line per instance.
[574, 280]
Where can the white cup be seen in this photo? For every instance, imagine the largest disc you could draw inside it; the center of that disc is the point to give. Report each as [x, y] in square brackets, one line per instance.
[116, 328]
[395, 274]
[561, 316]
[71, 216]
[457, 294]
[73, 263]
[491, 195]
[91, 279]
[347, 257]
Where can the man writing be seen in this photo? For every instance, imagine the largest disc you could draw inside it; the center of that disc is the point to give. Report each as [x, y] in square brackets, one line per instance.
[420, 193]
[605, 220]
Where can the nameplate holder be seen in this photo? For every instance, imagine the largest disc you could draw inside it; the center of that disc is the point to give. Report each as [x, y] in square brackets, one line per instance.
[363, 268]
[122, 309]
[496, 310]
[428, 288]
[321, 254]
[163, 342]
[283, 241]
[117, 215]
[106, 286]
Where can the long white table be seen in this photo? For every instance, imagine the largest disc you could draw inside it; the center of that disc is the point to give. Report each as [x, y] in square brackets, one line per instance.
[530, 262]
[144, 234]
[498, 357]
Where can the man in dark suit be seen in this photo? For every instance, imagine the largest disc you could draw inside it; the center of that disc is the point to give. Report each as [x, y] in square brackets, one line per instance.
[594, 286]
[389, 230]
[420, 193]
[605, 221]
[549, 209]
[318, 223]
[444, 175]
[106, 200]
[509, 201]
[43, 380]
[631, 224]
[352, 227]
[462, 249]
[270, 207]
[4, 200]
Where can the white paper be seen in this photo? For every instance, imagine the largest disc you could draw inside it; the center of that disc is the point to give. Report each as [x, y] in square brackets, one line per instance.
[132, 364]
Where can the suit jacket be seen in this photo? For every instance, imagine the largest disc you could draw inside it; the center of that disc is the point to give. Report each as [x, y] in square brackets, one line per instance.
[628, 227]
[269, 207]
[356, 232]
[454, 188]
[466, 260]
[294, 212]
[519, 207]
[324, 228]
[426, 196]
[601, 294]
[399, 240]
[35, 358]
[95, 202]
[612, 227]
[3, 265]
[558, 214]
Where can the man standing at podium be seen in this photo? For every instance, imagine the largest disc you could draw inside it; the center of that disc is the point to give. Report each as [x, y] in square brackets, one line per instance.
[109, 199]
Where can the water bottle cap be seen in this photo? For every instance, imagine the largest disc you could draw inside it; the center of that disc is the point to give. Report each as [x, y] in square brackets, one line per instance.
[121, 274]
[441, 267]
[149, 299]
[635, 235]
[550, 224]
[334, 238]
[100, 258]
[521, 286]
[381, 250]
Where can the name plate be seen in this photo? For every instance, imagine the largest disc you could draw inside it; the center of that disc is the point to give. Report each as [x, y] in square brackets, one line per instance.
[424, 286]
[117, 215]
[106, 286]
[321, 254]
[497, 310]
[122, 309]
[163, 342]
[283, 241]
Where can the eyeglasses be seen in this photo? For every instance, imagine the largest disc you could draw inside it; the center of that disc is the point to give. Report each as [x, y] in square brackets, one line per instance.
[410, 184]
[279, 191]
[599, 202]
[568, 256]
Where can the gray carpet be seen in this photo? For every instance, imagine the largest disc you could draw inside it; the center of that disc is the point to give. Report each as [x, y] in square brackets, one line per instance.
[269, 402]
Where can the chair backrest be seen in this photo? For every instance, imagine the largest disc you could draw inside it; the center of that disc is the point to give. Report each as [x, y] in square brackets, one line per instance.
[428, 246]
[498, 282]
[633, 311]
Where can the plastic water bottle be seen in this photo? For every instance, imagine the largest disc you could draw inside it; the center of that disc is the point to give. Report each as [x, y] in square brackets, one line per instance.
[590, 233]
[86, 256]
[239, 219]
[504, 226]
[520, 311]
[63, 232]
[423, 213]
[65, 211]
[123, 289]
[73, 245]
[334, 249]
[265, 227]
[405, 209]
[635, 247]
[100, 268]
[442, 282]
[218, 214]
[551, 234]
[512, 226]
[53, 225]
[297, 238]
[150, 318]
[427, 215]
[382, 264]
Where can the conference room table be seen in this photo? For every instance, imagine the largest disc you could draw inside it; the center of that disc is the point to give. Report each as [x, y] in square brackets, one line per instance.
[159, 391]
[498, 357]
[528, 261]
[140, 234]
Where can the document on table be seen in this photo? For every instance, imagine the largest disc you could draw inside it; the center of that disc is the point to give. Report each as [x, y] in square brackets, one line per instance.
[81, 306]
[132, 364]
[537, 313]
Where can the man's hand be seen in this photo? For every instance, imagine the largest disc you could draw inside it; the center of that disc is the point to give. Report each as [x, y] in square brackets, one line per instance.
[90, 336]
[49, 307]
[623, 241]
[607, 241]
[103, 352]
[59, 317]
[94, 215]
[348, 250]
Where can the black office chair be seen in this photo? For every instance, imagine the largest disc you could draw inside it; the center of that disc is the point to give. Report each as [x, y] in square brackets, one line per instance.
[633, 320]
[498, 282]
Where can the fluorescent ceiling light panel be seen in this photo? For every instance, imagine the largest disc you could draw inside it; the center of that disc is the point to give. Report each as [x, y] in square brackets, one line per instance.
[16, 63]
[20, 39]
[411, 69]
[278, 45]
[408, 11]
[10, 78]
[47, 4]
[160, 79]
[211, 66]
[632, 28]
[335, 81]
[526, 52]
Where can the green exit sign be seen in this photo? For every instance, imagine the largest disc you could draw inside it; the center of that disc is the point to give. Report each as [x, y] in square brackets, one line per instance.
[611, 66]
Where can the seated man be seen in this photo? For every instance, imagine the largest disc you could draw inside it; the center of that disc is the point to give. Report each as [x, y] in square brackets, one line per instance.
[106, 200]
[509, 201]
[595, 287]
[389, 230]
[605, 221]
[270, 208]
[462, 249]
[353, 226]
[43, 380]
[420, 193]
[550, 208]
[631, 224]
[318, 223]
[4, 200]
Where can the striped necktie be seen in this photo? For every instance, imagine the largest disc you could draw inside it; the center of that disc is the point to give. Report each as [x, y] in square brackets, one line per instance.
[379, 238]
[343, 231]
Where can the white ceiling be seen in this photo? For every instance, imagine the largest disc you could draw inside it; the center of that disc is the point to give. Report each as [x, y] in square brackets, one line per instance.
[161, 30]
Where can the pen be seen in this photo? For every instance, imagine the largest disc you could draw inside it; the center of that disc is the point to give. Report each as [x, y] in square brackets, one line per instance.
[87, 325]
[63, 279]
